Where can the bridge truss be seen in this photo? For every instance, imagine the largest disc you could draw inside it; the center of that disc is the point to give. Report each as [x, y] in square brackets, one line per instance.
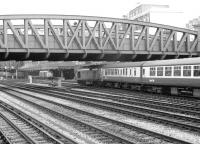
[61, 37]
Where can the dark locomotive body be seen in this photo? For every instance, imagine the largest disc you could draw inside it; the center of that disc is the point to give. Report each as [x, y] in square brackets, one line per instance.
[165, 76]
[88, 76]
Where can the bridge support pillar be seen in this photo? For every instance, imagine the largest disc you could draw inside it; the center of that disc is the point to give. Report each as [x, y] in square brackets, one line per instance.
[61, 74]
[198, 45]
[59, 82]
[30, 79]
[197, 27]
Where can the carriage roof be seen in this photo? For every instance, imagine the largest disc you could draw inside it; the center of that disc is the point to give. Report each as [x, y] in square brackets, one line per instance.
[185, 61]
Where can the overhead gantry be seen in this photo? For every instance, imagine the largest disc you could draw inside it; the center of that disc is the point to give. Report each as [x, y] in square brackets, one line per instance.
[84, 38]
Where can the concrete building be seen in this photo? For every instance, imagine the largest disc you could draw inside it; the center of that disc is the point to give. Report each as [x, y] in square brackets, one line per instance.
[193, 24]
[155, 13]
[8, 69]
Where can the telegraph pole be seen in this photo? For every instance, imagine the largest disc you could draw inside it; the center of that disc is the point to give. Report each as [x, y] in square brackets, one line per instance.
[16, 73]
[6, 72]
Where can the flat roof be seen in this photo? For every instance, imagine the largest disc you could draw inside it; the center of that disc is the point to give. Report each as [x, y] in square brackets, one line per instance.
[185, 61]
[48, 66]
[123, 64]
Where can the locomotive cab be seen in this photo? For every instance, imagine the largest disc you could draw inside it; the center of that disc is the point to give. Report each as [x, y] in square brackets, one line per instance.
[89, 74]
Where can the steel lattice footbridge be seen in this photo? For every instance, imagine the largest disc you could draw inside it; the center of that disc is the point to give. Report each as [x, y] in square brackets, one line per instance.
[64, 37]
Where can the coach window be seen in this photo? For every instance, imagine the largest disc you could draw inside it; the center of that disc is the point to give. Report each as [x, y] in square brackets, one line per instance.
[159, 71]
[143, 71]
[134, 71]
[130, 70]
[187, 71]
[106, 72]
[177, 71]
[196, 71]
[109, 72]
[115, 71]
[123, 71]
[152, 71]
[168, 71]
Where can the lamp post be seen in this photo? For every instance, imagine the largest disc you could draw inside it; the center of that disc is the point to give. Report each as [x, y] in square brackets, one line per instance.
[12, 68]
[6, 71]
[16, 73]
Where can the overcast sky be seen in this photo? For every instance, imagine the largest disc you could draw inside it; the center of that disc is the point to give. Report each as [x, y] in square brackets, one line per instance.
[104, 8]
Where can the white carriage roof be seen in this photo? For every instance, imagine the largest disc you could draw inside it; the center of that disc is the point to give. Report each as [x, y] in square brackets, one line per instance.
[185, 61]
[122, 64]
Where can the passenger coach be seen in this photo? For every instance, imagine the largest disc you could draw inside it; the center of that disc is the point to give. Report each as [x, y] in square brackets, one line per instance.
[179, 75]
[125, 75]
[164, 76]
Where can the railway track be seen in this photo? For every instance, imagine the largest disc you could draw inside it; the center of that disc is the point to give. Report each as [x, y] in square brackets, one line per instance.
[175, 104]
[190, 109]
[18, 130]
[113, 122]
[141, 101]
[104, 130]
[144, 110]
[187, 103]
[183, 100]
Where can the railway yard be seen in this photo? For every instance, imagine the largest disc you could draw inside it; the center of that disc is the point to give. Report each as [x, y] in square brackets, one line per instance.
[125, 76]
[73, 114]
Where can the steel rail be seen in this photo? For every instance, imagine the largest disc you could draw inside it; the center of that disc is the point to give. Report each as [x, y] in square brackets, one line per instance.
[157, 135]
[126, 109]
[4, 138]
[26, 137]
[145, 102]
[47, 128]
[114, 135]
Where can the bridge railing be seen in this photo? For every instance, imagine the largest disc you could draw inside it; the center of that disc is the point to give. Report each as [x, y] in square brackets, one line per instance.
[68, 34]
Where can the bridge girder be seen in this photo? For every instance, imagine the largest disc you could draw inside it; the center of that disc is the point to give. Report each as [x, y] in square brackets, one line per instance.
[61, 37]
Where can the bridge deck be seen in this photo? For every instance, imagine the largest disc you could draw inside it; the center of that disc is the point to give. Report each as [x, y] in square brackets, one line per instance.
[60, 37]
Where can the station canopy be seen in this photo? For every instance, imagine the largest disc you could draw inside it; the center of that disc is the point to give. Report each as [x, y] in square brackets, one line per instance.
[45, 65]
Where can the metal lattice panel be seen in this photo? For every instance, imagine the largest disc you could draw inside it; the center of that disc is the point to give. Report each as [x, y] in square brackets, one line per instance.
[57, 37]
